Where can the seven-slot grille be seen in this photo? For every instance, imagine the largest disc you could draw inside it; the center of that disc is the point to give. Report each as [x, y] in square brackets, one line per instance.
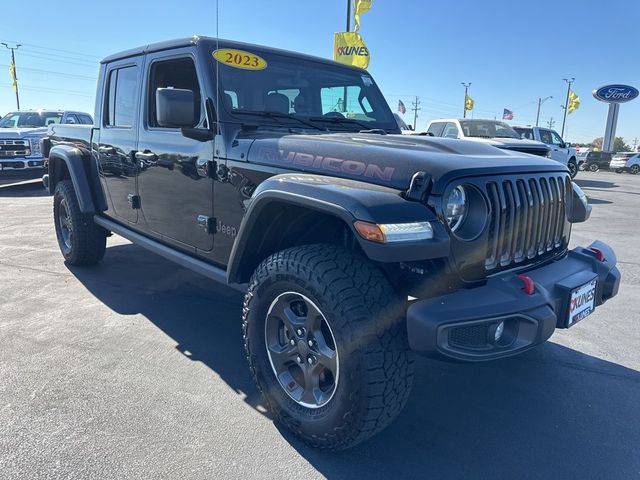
[14, 148]
[527, 218]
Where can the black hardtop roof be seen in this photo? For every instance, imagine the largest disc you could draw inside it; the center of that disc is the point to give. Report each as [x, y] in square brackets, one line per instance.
[210, 42]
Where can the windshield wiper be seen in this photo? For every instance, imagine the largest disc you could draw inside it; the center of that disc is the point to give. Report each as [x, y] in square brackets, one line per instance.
[349, 121]
[269, 114]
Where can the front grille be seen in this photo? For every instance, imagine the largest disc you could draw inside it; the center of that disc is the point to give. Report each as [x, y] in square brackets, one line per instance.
[542, 152]
[528, 219]
[14, 148]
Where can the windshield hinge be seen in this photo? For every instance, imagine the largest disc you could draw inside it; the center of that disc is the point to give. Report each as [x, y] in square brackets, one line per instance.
[419, 187]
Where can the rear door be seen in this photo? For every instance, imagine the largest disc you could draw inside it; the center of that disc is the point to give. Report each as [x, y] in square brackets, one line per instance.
[118, 137]
[176, 195]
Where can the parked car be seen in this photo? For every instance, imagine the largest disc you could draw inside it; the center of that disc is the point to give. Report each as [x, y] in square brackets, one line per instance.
[561, 151]
[329, 220]
[594, 161]
[626, 162]
[582, 156]
[490, 132]
[21, 135]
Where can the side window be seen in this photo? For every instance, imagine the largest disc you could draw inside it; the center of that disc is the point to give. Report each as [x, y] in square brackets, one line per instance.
[436, 128]
[231, 99]
[72, 119]
[545, 137]
[121, 99]
[86, 119]
[450, 130]
[555, 138]
[174, 73]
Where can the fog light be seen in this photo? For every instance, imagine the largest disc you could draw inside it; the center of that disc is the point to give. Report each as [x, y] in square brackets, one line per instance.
[498, 333]
[495, 332]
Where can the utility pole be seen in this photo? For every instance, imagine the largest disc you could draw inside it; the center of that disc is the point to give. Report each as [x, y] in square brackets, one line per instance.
[551, 122]
[344, 101]
[15, 70]
[415, 108]
[540, 102]
[635, 143]
[566, 103]
[466, 88]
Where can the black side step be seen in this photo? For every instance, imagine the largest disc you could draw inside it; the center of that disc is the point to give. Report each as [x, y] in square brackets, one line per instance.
[187, 261]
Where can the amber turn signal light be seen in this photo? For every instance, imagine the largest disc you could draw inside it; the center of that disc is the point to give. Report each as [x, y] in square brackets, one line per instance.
[369, 231]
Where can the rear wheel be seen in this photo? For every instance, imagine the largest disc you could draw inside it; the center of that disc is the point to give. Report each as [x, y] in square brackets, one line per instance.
[634, 169]
[618, 170]
[327, 345]
[81, 241]
[594, 167]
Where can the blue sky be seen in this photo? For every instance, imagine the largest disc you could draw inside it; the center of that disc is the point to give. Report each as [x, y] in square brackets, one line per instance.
[512, 52]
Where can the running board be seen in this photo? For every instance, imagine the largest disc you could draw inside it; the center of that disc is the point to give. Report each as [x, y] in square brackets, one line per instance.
[182, 259]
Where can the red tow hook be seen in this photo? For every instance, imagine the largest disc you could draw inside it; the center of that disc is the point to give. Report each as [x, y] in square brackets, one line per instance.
[529, 285]
[599, 254]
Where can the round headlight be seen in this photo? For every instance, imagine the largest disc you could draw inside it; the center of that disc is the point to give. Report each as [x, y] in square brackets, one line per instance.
[455, 209]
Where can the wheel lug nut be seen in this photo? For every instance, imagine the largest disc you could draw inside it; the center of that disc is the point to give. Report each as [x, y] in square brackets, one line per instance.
[292, 342]
[299, 331]
[311, 360]
[310, 343]
[299, 359]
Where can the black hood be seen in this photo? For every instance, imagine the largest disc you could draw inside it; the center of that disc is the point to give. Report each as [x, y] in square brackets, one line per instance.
[389, 160]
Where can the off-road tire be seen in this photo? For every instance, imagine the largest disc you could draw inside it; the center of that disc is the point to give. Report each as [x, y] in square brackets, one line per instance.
[367, 320]
[573, 168]
[88, 241]
[594, 167]
[634, 169]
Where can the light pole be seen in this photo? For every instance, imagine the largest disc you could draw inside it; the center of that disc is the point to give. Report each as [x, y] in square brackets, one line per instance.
[566, 103]
[466, 88]
[15, 71]
[540, 102]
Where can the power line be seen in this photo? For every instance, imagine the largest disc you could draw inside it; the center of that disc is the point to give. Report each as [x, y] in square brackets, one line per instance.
[50, 90]
[56, 50]
[69, 60]
[51, 72]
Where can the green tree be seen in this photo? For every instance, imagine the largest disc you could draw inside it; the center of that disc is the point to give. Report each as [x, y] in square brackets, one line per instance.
[618, 144]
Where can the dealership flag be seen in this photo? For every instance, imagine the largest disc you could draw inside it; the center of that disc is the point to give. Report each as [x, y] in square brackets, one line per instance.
[362, 6]
[349, 48]
[12, 72]
[507, 114]
[401, 108]
[468, 103]
[574, 102]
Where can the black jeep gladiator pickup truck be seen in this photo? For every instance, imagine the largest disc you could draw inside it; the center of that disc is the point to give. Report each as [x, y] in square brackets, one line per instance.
[286, 176]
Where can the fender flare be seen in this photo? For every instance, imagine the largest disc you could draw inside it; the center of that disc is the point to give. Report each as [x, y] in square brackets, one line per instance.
[348, 201]
[83, 174]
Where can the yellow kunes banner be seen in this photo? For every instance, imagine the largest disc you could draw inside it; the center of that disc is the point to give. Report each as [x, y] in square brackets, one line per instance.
[362, 6]
[349, 48]
[574, 102]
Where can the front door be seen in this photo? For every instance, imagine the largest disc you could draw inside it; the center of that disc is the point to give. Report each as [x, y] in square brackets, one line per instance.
[118, 137]
[176, 195]
[559, 150]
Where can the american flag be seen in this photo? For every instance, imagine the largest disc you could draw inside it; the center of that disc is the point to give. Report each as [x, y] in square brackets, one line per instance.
[507, 114]
[401, 108]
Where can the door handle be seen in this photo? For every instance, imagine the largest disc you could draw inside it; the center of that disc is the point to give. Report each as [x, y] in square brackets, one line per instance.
[146, 156]
[107, 150]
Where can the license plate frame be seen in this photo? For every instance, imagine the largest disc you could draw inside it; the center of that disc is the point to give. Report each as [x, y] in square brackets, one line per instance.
[582, 302]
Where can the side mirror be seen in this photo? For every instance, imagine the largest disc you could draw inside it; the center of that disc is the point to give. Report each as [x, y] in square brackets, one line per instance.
[175, 107]
[567, 145]
[410, 127]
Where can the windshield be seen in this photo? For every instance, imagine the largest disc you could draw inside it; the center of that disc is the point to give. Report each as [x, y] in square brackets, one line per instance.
[487, 129]
[30, 119]
[301, 93]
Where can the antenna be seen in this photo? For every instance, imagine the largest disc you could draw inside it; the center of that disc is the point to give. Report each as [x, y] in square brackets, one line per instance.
[218, 131]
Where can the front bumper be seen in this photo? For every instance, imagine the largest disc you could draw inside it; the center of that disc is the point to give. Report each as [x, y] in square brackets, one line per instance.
[16, 169]
[460, 326]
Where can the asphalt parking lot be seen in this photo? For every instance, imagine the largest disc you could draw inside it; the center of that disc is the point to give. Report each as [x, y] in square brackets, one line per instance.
[135, 369]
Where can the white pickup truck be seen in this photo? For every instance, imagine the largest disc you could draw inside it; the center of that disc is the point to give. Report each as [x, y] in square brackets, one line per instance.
[561, 151]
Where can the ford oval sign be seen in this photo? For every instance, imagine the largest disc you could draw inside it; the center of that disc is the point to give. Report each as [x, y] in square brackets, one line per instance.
[615, 93]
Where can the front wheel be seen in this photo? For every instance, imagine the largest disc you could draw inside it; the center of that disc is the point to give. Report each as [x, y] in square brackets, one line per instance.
[634, 169]
[327, 345]
[81, 241]
[573, 168]
[594, 167]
